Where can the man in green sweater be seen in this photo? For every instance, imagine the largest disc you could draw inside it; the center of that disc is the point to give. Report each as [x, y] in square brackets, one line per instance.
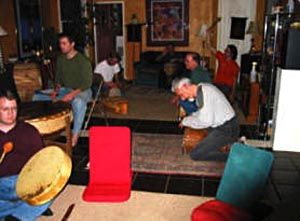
[198, 74]
[73, 82]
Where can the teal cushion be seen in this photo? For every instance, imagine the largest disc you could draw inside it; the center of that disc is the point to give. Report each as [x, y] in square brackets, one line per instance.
[245, 175]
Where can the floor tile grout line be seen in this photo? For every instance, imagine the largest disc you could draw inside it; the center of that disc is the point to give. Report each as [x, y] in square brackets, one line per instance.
[136, 126]
[79, 163]
[202, 187]
[275, 189]
[134, 178]
[167, 184]
[294, 164]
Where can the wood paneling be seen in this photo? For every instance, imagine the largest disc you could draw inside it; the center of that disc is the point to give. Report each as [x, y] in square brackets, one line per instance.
[7, 21]
[50, 13]
[260, 14]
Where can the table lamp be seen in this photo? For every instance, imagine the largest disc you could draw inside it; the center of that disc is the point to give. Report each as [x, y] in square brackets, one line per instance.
[2, 33]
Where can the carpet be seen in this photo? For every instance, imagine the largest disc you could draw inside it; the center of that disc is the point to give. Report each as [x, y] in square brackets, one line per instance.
[162, 153]
[145, 103]
[149, 103]
[141, 206]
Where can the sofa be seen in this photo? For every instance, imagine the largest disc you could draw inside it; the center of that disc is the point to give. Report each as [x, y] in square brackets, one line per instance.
[151, 73]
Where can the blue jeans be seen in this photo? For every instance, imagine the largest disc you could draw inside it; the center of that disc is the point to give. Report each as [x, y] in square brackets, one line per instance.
[188, 106]
[10, 204]
[79, 104]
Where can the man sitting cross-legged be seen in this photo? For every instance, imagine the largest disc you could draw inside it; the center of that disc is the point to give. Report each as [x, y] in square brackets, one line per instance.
[25, 141]
[108, 71]
[73, 82]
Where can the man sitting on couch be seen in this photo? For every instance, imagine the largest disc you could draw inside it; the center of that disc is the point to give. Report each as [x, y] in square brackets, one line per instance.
[198, 74]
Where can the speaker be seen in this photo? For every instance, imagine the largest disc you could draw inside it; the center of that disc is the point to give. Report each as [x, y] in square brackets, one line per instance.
[134, 33]
[291, 51]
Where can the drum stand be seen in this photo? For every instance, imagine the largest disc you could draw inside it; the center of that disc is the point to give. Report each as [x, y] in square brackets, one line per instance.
[103, 112]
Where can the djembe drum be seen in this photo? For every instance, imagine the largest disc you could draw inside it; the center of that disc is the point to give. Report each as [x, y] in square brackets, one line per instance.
[44, 175]
[192, 137]
[117, 105]
[27, 78]
[49, 118]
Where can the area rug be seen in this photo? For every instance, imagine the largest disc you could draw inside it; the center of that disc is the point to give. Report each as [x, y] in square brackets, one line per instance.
[162, 153]
[145, 103]
[141, 206]
[149, 103]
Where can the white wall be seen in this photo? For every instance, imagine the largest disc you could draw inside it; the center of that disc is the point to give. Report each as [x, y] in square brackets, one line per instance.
[235, 8]
[286, 122]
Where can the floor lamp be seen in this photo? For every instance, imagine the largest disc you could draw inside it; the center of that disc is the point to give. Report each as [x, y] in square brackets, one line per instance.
[252, 30]
[2, 33]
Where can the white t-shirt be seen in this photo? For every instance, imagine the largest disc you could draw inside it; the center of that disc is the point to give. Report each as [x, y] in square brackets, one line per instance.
[216, 110]
[107, 71]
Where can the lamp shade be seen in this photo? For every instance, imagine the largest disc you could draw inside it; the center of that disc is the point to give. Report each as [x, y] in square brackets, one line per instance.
[202, 31]
[2, 32]
[253, 28]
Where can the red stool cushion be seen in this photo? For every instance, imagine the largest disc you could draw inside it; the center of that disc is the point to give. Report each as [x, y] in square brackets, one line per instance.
[110, 169]
[215, 210]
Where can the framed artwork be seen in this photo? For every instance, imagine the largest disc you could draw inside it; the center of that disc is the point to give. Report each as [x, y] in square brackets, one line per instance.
[167, 22]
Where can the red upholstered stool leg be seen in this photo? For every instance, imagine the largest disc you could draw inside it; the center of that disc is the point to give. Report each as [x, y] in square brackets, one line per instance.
[216, 210]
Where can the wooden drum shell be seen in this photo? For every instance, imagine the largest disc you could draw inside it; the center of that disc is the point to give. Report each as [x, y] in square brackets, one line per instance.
[51, 124]
[192, 137]
[27, 78]
[46, 116]
[117, 105]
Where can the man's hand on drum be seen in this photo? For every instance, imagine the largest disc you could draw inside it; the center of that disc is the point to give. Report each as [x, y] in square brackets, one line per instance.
[53, 95]
[68, 97]
[175, 100]
[180, 125]
[55, 92]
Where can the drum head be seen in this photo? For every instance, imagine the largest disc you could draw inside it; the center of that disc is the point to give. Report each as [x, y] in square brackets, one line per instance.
[44, 175]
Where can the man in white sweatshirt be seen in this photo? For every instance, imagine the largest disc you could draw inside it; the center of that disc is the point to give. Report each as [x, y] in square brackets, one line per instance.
[108, 71]
[214, 114]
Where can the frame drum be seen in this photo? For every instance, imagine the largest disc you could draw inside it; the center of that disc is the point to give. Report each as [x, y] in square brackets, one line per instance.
[44, 175]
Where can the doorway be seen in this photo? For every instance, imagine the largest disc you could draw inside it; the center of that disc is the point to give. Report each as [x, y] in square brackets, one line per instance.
[109, 30]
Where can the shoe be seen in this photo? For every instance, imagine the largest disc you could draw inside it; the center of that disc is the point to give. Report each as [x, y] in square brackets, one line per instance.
[87, 167]
[11, 218]
[47, 212]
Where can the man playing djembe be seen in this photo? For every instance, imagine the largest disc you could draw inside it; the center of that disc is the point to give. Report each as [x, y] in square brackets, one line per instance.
[108, 71]
[214, 113]
[24, 141]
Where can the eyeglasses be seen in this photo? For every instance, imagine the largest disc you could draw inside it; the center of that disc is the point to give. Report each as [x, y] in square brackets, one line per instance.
[7, 109]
